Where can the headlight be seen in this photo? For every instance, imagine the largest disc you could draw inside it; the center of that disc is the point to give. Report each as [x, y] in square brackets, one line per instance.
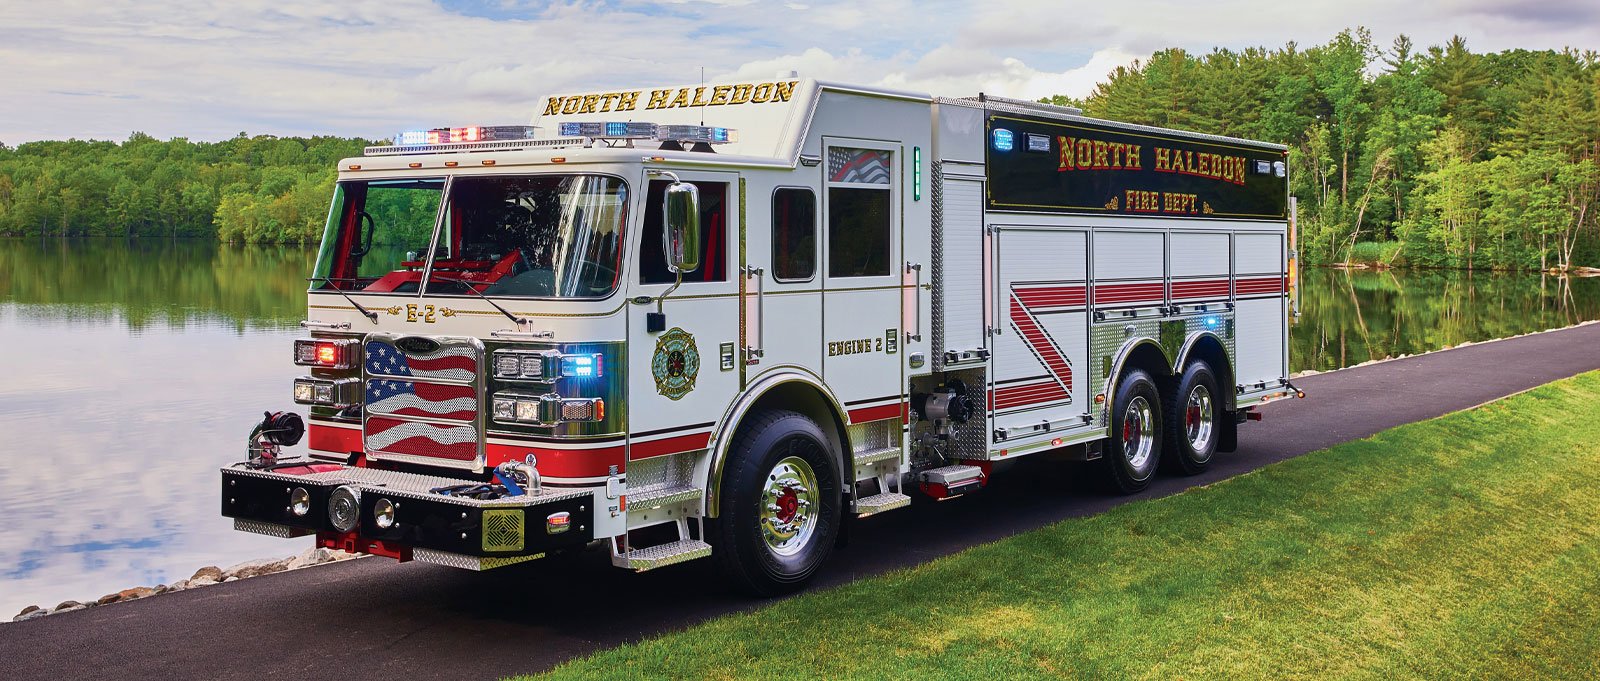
[546, 366]
[300, 502]
[342, 392]
[546, 410]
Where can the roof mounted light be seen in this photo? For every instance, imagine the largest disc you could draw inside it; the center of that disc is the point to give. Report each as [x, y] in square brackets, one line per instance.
[610, 130]
[471, 133]
[632, 130]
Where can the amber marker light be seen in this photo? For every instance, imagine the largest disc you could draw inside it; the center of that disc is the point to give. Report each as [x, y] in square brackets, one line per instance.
[355, 167]
[1100, 399]
[451, 164]
[488, 161]
[558, 159]
[416, 165]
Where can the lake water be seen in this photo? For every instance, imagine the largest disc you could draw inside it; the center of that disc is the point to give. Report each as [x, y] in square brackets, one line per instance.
[130, 371]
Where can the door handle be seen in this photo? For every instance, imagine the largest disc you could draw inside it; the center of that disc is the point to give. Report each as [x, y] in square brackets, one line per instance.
[914, 269]
[754, 353]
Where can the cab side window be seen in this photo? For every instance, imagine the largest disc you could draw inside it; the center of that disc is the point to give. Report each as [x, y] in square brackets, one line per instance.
[859, 212]
[794, 234]
[713, 241]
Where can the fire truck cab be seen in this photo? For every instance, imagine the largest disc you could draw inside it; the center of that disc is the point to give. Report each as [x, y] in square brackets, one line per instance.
[724, 320]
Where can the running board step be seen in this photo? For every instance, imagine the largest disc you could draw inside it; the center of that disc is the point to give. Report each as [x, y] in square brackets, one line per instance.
[878, 503]
[663, 496]
[875, 455]
[662, 555]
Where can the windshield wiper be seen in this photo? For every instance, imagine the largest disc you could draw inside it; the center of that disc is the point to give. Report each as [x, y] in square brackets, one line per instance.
[371, 316]
[519, 321]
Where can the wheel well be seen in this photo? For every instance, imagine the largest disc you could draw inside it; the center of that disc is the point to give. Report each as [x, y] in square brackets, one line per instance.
[796, 396]
[1210, 350]
[802, 398]
[1149, 357]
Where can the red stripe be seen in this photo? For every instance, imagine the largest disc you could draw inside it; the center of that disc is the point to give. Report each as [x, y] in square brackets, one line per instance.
[422, 445]
[1033, 334]
[330, 439]
[1128, 293]
[561, 463]
[442, 363]
[434, 392]
[1016, 396]
[1058, 296]
[887, 411]
[670, 445]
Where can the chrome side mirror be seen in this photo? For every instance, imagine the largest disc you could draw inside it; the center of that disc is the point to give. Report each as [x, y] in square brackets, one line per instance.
[681, 230]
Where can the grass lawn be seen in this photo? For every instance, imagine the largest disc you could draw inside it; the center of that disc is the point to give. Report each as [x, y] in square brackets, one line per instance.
[1463, 547]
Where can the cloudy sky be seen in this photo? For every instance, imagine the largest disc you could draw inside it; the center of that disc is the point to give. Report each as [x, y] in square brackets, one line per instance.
[104, 68]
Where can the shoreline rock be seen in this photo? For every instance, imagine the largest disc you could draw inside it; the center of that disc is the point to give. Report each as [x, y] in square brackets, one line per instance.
[205, 576]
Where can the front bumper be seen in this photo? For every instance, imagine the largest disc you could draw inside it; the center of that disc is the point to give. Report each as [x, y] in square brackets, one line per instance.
[435, 528]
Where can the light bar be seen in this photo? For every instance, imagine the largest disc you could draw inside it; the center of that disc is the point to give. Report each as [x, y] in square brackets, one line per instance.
[610, 130]
[640, 130]
[697, 133]
[471, 133]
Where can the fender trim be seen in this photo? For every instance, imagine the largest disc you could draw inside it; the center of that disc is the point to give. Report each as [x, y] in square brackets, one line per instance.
[722, 435]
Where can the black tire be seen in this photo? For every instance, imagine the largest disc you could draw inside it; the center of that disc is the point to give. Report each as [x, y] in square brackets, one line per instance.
[754, 559]
[1128, 471]
[1194, 421]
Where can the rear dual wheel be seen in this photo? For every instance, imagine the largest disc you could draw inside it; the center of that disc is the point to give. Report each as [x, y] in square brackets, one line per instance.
[1134, 448]
[1194, 428]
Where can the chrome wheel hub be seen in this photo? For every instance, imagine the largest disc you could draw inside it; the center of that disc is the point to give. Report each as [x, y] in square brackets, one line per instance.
[789, 506]
[1137, 443]
[1198, 419]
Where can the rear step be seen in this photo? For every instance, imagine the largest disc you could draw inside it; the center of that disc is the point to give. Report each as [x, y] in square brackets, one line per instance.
[949, 482]
[876, 455]
[878, 503]
[662, 555]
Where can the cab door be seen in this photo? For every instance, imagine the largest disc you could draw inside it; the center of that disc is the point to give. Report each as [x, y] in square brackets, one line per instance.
[863, 270]
[682, 374]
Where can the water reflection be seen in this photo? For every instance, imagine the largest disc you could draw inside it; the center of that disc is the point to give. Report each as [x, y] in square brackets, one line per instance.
[133, 369]
[131, 372]
[1350, 317]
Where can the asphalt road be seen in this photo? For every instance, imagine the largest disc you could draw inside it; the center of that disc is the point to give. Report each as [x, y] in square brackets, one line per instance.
[374, 618]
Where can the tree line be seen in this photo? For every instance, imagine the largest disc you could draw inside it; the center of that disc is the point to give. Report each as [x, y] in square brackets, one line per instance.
[1437, 157]
[260, 189]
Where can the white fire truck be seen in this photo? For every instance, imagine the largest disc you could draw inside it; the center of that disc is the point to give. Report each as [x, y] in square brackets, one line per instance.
[724, 320]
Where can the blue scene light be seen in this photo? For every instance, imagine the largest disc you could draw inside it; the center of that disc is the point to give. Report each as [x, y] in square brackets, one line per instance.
[1003, 139]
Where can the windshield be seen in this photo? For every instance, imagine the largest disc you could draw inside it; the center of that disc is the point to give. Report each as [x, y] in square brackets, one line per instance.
[527, 236]
[377, 235]
[541, 235]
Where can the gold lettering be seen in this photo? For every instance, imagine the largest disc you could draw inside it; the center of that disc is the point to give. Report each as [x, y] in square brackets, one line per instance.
[699, 97]
[1132, 158]
[1085, 154]
[719, 95]
[427, 313]
[627, 101]
[1205, 164]
[1163, 160]
[784, 91]
[741, 94]
[571, 105]
[589, 103]
[553, 106]
[681, 100]
[1100, 160]
[411, 312]
[1065, 152]
[658, 99]
[1188, 157]
[762, 93]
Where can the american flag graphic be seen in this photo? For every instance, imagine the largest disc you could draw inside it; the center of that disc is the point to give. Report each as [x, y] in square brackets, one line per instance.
[449, 362]
[862, 166]
[403, 385]
[394, 436]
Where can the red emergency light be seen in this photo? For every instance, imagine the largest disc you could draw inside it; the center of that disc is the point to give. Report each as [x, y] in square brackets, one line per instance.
[337, 353]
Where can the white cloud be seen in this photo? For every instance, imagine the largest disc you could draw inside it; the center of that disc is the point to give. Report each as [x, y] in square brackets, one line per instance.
[80, 68]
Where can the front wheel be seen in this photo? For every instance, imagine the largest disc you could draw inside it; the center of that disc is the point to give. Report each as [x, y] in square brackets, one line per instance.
[1134, 448]
[781, 505]
[1193, 426]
